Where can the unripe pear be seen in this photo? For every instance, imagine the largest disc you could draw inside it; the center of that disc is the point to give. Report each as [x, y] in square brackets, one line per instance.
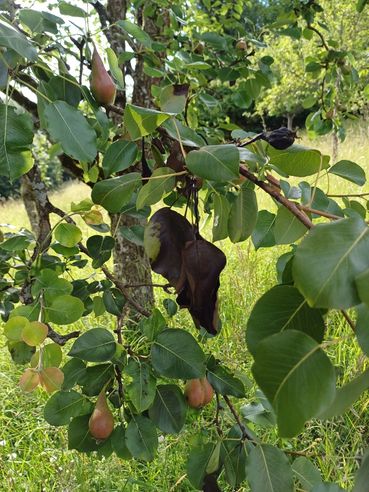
[102, 85]
[101, 423]
[198, 392]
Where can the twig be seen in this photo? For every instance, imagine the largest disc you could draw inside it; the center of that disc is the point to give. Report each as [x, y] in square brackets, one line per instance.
[356, 195]
[245, 432]
[61, 339]
[273, 192]
[312, 28]
[319, 212]
[348, 319]
[118, 371]
[216, 417]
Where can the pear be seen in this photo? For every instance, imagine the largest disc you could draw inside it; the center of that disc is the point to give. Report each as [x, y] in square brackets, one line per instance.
[102, 85]
[101, 423]
[198, 392]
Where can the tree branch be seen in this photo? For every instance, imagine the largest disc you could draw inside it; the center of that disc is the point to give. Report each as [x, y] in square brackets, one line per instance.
[61, 339]
[274, 193]
[245, 433]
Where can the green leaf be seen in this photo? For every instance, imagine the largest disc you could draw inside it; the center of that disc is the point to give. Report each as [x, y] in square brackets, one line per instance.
[141, 438]
[327, 487]
[282, 308]
[153, 325]
[225, 383]
[51, 357]
[168, 412]
[362, 475]
[296, 376]
[16, 243]
[268, 470]
[65, 310]
[114, 193]
[141, 121]
[214, 162]
[79, 436]
[17, 41]
[66, 8]
[360, 5]
[99, 248]
[263, 234]
[361, 329]
[326, 275]
[173, 98]
[197, 464]
[51, 285]
[118, 442]
[162, 181]
[298, 160]
[221, 214]
[184, 134]
[306, 473]
[362, 284]
[176, 354]
[95, 378]
[64, 405]
[16, 136]
[243, 215]
[116, 71]
[120, 155]
[114, 301]
[68, 126]
[73, 370]
[136, 32]
[68, 234]
[349, 170]
[287, 227]
[14, 327]
[96, 345]
[346, 396]
[141, 390]
[234, 456]
[20, 352]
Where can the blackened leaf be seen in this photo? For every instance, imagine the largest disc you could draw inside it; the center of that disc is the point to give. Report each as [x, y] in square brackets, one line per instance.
[202, 265]
[165, 236]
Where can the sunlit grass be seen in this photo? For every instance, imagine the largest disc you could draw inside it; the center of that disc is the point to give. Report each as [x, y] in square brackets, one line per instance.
[34, 455]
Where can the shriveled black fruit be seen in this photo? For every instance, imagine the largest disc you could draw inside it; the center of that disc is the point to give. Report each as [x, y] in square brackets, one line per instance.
[280, 139]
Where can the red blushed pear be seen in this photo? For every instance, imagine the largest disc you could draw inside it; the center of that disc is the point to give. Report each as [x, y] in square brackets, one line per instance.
[101, 423]
[102, 85]
[198, 392]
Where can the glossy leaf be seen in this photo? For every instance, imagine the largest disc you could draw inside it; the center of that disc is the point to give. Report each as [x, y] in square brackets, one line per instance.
[168, 411]
[119, 156]
[141, 438]
[298, 160]
[65, 310]
[173, 98]
[186, 135]
[263, 234]
[225, 383]
[79, 436]
[349, 170]
[141, 121]
[287, 228]
[68, 234]
[136, 32]
[221, 213]
[198, 461]
[16, 136]
[306, 473]
[296, 376]
[362, 324]
[243, 215]
[68, 126]
[326, 276]
[279, 309]
[95, 345]
[118, 442]
[176, 354]
[142, 388]
[114, 193]
[11, 38]
[214, 162]
[73, 370]
[362, 475]
[161, 181]
[268, 470]
[65, 405]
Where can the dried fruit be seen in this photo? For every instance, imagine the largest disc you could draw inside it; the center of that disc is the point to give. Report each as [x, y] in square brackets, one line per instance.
[280, 139]
[101, 423]
[102, 85]
[198, 392]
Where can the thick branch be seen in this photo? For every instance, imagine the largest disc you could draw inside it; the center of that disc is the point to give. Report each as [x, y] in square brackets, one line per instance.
[61, 339]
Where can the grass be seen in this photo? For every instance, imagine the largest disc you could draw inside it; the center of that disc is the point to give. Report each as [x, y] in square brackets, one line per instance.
[34, 455]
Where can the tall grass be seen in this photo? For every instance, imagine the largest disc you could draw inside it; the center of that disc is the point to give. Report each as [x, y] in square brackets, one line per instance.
[34, 455]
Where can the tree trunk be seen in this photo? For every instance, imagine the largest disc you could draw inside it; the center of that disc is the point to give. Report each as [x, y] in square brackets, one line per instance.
[30, 204]
[290, 118]
[130, 262]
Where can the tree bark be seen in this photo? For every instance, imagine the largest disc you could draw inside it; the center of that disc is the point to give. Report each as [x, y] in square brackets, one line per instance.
[131, 265]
